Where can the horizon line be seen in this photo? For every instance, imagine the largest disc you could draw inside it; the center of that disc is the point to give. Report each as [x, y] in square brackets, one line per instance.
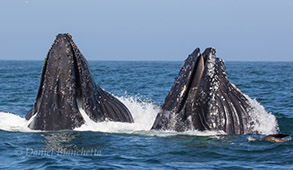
[153, 60]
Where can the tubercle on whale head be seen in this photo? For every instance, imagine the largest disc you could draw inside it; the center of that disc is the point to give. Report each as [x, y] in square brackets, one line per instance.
[195, 52]
[209, 53]
[60, 36]
[69, 35]
[64, 46]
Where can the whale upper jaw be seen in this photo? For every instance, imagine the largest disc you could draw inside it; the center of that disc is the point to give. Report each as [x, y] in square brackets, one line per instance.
[202, 98]
[66, 85]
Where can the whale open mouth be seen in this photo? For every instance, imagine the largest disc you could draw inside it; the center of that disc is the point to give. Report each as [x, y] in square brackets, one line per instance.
[188, 79]
[66, 86]
[203, 98]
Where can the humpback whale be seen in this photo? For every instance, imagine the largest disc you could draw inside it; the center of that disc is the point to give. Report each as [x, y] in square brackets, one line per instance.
[203, 98]
[67, 90]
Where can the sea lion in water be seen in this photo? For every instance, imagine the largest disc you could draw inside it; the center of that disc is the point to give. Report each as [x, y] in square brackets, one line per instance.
[275, 138]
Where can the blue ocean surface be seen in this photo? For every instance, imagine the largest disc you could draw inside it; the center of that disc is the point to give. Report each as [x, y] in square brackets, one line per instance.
[142, 87]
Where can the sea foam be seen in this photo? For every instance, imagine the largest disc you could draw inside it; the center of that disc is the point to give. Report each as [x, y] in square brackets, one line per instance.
[13, 122]
[262, 121]
[144, 114]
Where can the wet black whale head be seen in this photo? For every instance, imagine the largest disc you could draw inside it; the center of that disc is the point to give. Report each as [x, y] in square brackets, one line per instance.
[202, 98]
[67, 90]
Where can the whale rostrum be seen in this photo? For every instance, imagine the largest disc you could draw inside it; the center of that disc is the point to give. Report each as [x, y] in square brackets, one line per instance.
[67, 87]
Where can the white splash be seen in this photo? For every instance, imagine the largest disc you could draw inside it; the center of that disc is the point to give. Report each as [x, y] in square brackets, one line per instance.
[262, 122]
[144, 114]
[251, 139]
[12, 122]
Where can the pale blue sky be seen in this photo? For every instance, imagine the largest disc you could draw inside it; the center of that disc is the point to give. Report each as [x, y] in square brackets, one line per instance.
[248, 30]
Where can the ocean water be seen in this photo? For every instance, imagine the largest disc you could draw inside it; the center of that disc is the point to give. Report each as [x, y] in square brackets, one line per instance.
[142, 87]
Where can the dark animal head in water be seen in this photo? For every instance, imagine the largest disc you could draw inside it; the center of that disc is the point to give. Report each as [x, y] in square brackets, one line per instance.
[67, 89]
[203, 98]
[275, 138]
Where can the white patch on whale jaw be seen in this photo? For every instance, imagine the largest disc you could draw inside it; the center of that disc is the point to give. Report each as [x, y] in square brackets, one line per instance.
[182, 91]
[31, 121]
[86, 118]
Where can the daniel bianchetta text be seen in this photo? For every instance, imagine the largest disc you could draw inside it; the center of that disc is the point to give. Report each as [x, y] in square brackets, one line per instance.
[57, 152]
